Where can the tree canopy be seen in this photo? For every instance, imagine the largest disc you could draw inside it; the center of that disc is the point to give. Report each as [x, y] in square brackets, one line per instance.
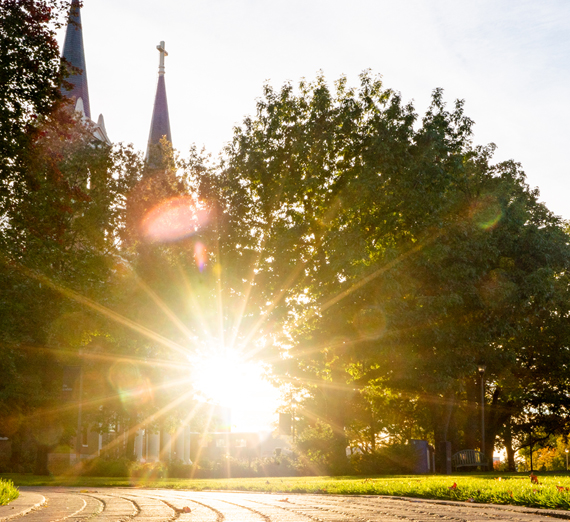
[30, 75]
[385, 257]
[371, 256]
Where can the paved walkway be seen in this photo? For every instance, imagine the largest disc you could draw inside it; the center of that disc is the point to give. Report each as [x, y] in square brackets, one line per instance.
[51, 504]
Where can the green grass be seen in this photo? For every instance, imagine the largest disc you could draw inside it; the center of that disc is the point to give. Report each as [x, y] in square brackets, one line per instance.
[552, 492]
[8, 492]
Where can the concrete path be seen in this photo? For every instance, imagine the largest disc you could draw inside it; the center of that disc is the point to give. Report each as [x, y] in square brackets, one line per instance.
[49, 504]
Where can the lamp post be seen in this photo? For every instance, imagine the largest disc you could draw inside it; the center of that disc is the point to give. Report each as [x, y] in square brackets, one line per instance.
[482, 368]
[566, 450]
[79, 436]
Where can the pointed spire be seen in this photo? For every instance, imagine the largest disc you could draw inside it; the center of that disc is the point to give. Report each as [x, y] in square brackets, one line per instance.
[75, 56]
[160, 125]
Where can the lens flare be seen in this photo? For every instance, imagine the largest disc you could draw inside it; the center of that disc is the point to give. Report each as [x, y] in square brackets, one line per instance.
[174, 219]
[50, 433]
[486, 213]
[129, 384]
[496, 289]
[200, 255]
[370, 323]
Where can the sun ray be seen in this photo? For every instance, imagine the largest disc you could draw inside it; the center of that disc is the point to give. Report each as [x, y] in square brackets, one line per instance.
[197, 309]
[333, 209]
[111, 314]
[220, 302]
[150, 419]
[367, 279]
[152, 362]
[341, 295]
[249, 289]
[201, 446]
[99, 401]
[167, 311]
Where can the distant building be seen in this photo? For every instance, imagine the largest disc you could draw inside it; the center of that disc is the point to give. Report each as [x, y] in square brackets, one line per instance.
[216, 441]
[74, 55]
[148, 446]
[239, 445]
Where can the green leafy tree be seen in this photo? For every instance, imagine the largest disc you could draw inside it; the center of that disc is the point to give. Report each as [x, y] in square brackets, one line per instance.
[379, 251]
[30, 77]
[59, 248]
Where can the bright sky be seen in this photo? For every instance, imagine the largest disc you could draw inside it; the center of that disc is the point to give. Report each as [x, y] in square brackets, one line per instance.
[508, 60]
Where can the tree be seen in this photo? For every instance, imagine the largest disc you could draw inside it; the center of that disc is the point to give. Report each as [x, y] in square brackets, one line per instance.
[288, 193]
[377, 252]
[30, 80]
[30, 76]
[58, 242]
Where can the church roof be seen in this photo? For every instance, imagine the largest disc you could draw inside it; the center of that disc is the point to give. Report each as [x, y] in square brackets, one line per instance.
[160, 124]
[74, 54]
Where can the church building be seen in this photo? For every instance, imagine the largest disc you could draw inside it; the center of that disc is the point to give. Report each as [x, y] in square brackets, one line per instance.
[75, 56]
[148, 446]
[182, 445]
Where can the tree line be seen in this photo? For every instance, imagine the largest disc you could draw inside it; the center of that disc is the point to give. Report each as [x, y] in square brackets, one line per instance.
[372, 256]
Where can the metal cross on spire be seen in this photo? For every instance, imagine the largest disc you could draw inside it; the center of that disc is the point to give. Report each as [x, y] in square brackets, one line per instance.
[163, 53]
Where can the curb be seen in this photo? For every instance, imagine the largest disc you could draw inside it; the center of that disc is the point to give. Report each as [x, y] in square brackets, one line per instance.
[26, 502]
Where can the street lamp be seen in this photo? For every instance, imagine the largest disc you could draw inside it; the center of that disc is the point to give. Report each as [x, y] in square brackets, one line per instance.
[481, 368]
[79, 436]
[566, 450]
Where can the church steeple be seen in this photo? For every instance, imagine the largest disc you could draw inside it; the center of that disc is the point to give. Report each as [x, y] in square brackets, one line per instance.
[160, 124]
[74, 54]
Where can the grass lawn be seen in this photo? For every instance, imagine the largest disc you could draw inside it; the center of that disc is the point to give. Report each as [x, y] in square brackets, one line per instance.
[552, 491]
[7, 492]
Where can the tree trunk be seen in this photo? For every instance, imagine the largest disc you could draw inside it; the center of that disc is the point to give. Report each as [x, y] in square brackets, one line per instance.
[509, 447]
[494, 420]
[131, 434]
[372, 437]
[472, 426]
[339, 461]
[531, 448]
[131, 445]
[338, 400]
[449, 407]
[162, 456]
[16, 452]
[41, 467]
[442, 414]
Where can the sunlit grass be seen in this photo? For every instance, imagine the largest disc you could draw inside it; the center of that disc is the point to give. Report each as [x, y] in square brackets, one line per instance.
[553, 491]
[8, 492]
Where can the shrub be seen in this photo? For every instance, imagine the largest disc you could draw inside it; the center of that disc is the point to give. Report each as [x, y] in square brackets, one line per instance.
[398, 459]
[99, 467]
[282, 466]
[148, 470]
[177, 469]
[231, 467]
[8, 492]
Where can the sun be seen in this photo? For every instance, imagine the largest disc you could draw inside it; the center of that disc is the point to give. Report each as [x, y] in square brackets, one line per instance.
[225, 377]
